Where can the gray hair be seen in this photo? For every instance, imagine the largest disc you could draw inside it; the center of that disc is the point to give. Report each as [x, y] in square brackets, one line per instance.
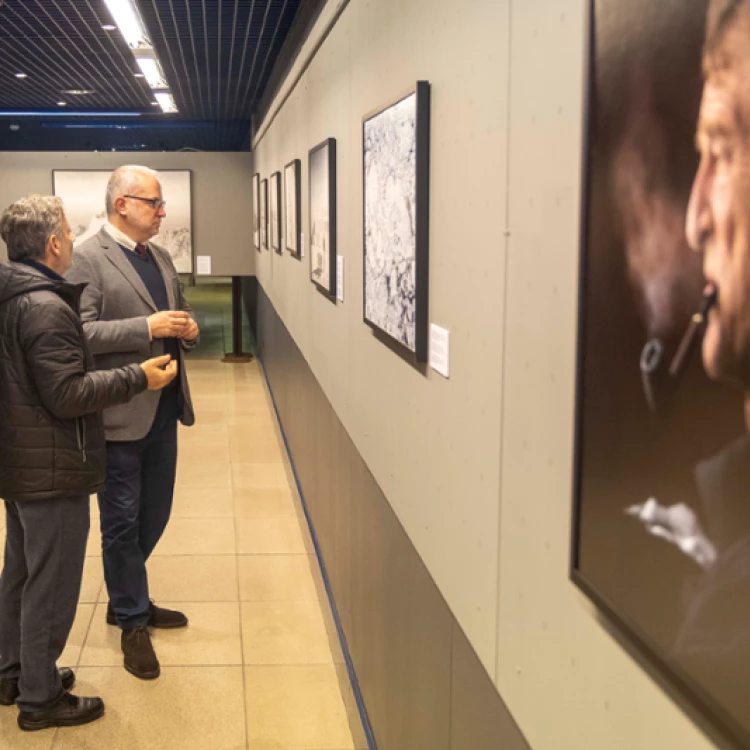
[27, 225]
[125, 180]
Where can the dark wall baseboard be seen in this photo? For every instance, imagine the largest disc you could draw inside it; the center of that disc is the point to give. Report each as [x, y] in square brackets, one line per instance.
[417, 684]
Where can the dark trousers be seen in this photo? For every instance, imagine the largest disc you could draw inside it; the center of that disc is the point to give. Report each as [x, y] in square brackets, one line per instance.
[45, 548]
[134, 510]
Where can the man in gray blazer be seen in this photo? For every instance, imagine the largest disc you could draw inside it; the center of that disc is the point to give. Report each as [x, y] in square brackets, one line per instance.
[133, 307]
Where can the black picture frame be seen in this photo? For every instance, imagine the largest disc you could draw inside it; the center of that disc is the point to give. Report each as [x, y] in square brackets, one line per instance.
[401, 315]
[274, 212]
[264, 214]
[256, 211]
[293, 207]
[322, 216]
[698, 703]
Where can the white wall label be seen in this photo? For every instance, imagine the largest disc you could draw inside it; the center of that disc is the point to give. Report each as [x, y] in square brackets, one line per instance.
[440, 350]
[203, 267]
[340, 278]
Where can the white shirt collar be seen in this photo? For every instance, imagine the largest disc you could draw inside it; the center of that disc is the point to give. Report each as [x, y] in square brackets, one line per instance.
[119, 237]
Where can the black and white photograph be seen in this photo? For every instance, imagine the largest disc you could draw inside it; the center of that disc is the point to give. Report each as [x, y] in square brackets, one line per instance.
[274, 212]
[83, 193]
[256, 211]
[396, 221]
[662, 513]
[322, 175]
[264, 214]
[293, 206]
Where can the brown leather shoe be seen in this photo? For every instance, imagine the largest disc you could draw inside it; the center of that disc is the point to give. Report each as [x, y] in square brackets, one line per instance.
[158, 617]
[9, 687]
[69, 711]
[140, 658]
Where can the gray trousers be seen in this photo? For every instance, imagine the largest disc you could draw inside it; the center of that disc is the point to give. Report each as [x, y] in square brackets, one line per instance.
[45, 548]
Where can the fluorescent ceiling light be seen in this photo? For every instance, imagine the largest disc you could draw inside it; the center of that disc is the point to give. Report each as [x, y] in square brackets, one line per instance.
[166, 101]
[109, 27]
[138, 75]
[152, 70]
[128, 19]
[62, 104]
[78, 92]
[20, 75]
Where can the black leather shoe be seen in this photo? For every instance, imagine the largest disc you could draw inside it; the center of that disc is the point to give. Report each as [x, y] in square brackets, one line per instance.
[69, 711]
[140, 658]
[9, 687]
[158, 617]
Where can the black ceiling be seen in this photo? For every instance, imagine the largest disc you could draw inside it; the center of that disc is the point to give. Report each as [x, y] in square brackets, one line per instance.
[217, 56]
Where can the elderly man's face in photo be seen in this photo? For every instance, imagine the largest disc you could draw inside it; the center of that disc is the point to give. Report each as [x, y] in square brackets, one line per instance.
[718, 217]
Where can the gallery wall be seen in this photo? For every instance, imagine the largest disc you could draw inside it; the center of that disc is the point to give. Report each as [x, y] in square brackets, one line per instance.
[221, 184]
[478, 467]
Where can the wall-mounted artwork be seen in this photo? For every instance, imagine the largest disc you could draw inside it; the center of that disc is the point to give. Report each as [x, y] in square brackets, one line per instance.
[256, 211]
[322, 175]
[662, 497]
[83, 195]
[396, 148]
[293, 206]
[264, 214]
[274, 204]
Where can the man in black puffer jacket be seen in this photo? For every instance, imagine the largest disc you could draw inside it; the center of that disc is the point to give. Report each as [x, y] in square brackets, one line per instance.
[52, 457]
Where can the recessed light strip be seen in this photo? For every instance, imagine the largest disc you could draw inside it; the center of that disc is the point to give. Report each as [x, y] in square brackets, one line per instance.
[128, 19]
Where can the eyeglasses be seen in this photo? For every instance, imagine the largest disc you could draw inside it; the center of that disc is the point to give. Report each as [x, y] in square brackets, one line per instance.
[155, 203]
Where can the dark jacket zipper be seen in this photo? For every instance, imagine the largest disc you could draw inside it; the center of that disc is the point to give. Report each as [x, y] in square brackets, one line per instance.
[81, 431]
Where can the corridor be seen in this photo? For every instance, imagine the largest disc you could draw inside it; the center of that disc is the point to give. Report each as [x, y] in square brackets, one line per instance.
[255, 668]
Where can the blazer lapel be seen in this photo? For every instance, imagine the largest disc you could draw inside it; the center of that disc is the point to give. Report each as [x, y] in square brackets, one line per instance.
[115, 254]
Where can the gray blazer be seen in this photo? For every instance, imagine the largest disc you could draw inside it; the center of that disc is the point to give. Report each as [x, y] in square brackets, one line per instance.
[115, 306]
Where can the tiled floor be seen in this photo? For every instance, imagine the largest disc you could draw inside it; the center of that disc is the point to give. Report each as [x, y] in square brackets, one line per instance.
[255, 669]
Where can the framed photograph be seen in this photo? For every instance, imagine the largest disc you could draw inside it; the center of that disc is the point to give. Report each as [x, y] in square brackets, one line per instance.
[274, 211]
[661, 528]
[83, 194]
[256, 211]
[264, 214]
[293, 207]
[396, 160]
[322, 175]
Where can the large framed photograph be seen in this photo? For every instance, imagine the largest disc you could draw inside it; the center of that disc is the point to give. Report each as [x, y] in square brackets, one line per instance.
[395, 154]
[293, 206]
[83, 195]
[322, 176]
[264, 214]
[274, 211]
[662, 495]
[256, 211]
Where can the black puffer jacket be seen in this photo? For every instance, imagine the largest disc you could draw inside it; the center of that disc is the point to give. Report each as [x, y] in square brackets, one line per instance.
[51, 432]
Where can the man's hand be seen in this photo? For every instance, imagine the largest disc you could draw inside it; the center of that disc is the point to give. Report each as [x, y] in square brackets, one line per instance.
[168, 324]
[156, 376]
[191, 331]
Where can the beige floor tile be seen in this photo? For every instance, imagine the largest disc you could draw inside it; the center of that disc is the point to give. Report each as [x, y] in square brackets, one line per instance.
[94, 513]
[198, 536]
[271, 502]
[94, 542]
[12, 738]
[259, 536]
[295, 708]
[93, 580]
[277, 578]
[202, 502]
[203, 455]
[72, 653]
[260, 449]
[212, 475]
[249, 476]
[284, 633]
[193, 578]
[187, 708]
[212, 638]
[202, 435]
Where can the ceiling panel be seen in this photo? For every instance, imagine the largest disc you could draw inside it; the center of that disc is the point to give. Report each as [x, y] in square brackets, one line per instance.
[217, 56]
